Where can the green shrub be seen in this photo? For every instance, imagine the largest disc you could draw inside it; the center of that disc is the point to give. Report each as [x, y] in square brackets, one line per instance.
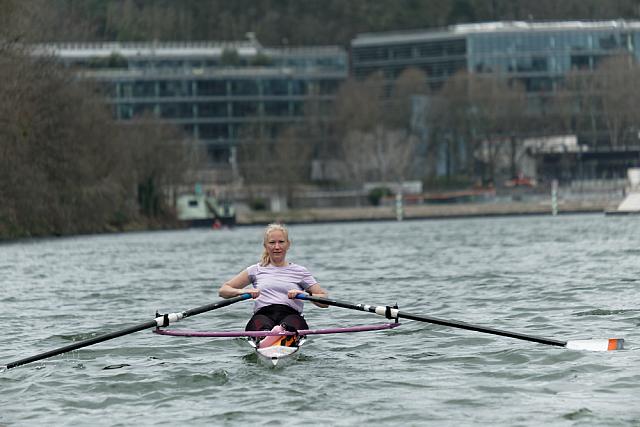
[258, 204]
[376, 194]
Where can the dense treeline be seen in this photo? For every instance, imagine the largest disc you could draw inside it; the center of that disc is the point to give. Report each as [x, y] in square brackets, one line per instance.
[294, 22]
[65, 166]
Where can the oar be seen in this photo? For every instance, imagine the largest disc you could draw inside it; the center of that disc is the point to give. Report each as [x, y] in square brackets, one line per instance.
[162, 320]
[393, 313]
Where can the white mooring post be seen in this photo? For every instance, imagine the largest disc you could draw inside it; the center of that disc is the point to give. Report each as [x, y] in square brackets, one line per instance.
[554, 197]
[399, 207]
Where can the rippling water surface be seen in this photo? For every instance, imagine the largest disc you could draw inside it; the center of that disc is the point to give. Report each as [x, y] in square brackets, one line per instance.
[565, 277]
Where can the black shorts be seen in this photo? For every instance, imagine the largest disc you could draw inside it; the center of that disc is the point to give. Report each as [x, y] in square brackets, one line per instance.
[276, 314]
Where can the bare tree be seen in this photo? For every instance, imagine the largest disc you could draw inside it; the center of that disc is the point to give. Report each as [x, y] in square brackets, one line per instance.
[65, 165]
[579, 99]
[56, 176]
[377, 141]
[359, 104]
[486, 114]
[600, 105]
[450, 125]
[160, 157]
[275, 167]
[616, 81]
[411, 83]
[359, 110]
[388, 153]
[292, 156]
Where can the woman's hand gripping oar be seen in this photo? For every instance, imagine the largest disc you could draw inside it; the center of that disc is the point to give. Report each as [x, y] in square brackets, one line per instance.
[160, 321]
[603, 344]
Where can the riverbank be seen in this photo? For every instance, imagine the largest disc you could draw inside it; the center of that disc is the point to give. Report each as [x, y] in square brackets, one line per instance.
[376, 213]
[432, 211]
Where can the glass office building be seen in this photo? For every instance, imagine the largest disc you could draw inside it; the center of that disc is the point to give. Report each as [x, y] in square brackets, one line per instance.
[214, 91]
[211, 90]
[539, 54]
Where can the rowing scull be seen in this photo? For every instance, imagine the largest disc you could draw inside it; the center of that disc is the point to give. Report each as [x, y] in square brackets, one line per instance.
[275, 355]
[160, 321]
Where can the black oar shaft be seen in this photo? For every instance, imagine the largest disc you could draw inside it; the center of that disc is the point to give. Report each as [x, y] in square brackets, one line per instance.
[470, 327]
[215, 305]
[84, 343]
[126, 331]
[393, 313]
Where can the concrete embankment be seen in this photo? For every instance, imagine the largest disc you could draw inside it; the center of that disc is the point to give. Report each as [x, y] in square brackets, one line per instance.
[434, 211]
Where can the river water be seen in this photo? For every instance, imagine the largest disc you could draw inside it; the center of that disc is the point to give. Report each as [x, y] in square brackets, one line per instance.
[565, 277]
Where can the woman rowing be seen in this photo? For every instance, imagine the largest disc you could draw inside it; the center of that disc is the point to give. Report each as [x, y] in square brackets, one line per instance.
[275, 284]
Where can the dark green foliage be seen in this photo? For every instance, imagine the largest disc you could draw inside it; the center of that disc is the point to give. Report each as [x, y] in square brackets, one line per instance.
[261, 60]
[112, 61]
[258, 204]
[376, 195]
[149, 197]
[65, 166]
[230, 57]
[293, 22]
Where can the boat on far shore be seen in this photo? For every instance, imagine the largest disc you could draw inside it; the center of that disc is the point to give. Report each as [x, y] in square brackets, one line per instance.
[201, 210]
[631, 203]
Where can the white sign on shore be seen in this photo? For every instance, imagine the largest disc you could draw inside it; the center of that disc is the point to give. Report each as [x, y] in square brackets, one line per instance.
[407, 187]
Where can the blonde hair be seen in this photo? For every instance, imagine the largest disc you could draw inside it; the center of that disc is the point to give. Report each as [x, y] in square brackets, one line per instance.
[264, 259]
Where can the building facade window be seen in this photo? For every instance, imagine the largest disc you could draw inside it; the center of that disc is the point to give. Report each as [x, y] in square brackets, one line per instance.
[211, 91]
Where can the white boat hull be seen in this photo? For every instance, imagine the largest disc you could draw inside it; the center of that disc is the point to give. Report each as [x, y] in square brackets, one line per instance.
[276, 355]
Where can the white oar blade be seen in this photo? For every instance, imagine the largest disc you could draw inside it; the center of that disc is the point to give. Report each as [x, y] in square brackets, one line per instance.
[605, 344]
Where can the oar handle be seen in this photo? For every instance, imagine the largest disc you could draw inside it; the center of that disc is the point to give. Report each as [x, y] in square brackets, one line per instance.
[162, 320]
[386, 311]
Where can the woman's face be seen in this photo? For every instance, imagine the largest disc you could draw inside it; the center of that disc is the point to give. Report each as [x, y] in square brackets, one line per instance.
[277, 245]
